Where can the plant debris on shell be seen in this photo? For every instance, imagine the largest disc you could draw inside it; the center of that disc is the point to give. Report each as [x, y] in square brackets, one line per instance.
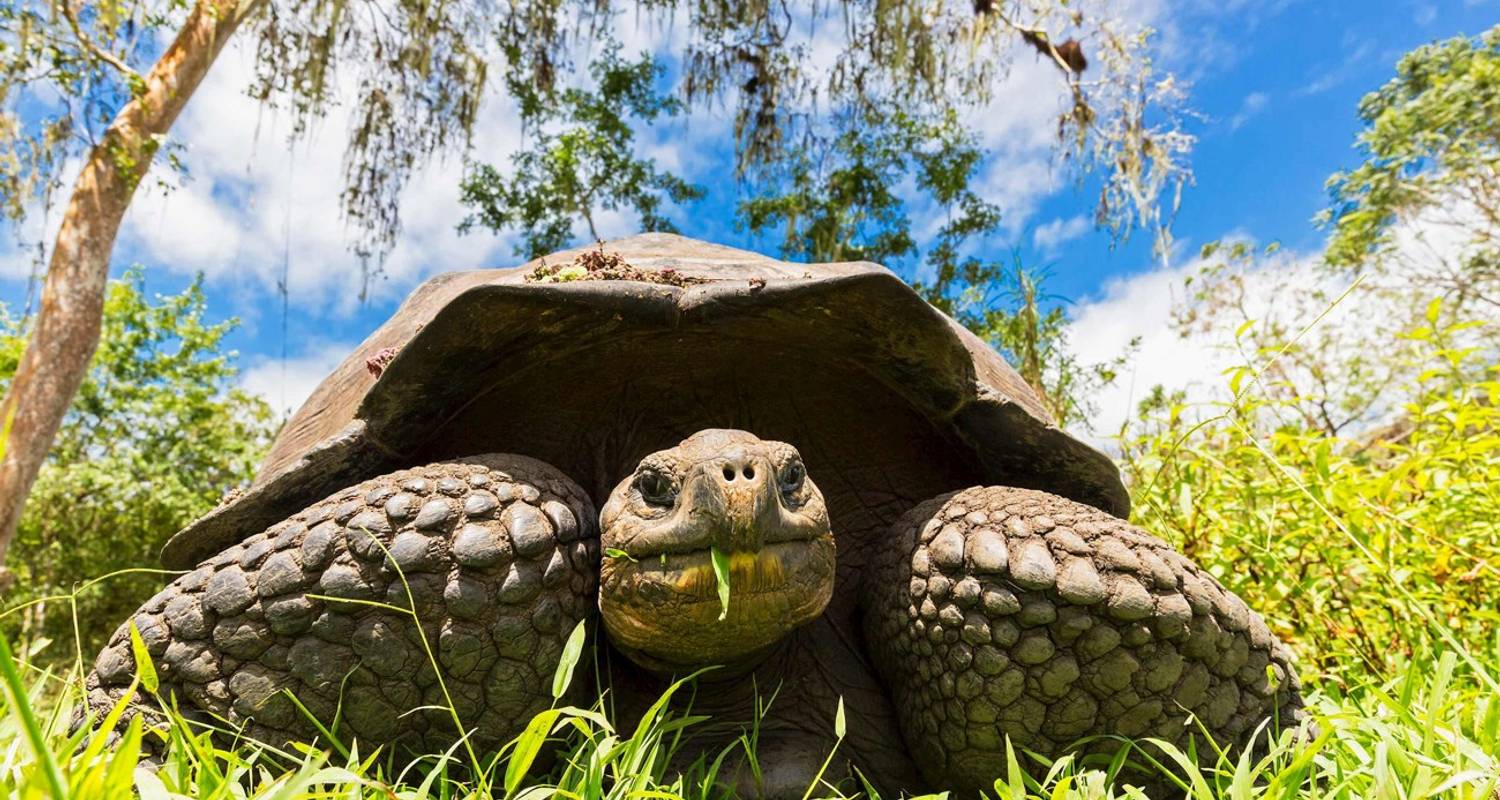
[377, 363]
[598, 265]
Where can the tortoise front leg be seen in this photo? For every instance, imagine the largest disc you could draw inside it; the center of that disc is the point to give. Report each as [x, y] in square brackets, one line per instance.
[499, 556]
[999, 612]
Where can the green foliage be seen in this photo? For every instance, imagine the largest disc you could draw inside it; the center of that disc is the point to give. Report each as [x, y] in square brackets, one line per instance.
[155, 437]
[581, 159]
[1431, 145]
[839, 201]
[1365, 550]
[1370, 549]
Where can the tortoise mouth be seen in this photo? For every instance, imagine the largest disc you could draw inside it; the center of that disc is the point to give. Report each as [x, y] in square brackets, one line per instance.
[773, 569]
[665, 612]
[691, 546]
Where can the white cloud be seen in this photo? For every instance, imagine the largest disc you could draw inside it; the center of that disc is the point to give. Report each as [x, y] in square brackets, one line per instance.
[1019, 128]
[286, 384]
[253, 204]
[648, 33]
[1250, 107]
[1053, 235]
[1140, 307]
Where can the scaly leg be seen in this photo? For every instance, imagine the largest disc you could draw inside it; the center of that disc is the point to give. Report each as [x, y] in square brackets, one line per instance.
[999, 612]
[500, 559]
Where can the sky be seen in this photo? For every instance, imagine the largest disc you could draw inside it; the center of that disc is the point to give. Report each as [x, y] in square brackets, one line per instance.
[1273, 84]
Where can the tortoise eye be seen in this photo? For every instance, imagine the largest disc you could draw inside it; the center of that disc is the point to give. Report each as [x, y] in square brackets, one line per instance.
[655, 488]
[792, 478]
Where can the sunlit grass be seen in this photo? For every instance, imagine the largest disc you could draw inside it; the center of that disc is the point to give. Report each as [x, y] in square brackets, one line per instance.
[1431, 731]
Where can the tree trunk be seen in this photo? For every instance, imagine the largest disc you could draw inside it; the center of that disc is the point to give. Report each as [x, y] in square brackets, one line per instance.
[66, 330]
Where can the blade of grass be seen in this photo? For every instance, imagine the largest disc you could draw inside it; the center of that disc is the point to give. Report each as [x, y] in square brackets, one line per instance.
[572, 651]
[21, 706]
[145, 671]
[528, 745]
[838, 731]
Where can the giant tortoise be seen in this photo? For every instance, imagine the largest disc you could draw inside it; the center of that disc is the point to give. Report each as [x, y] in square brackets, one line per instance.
[900, 524]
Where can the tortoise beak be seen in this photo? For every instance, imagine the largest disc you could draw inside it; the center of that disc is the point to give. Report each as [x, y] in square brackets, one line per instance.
[736, 496]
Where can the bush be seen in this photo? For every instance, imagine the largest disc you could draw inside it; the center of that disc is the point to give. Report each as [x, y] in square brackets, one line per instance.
[1363, 551]
[155, 437]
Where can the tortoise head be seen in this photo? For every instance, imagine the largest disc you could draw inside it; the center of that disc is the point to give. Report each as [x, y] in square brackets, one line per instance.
[725, 495]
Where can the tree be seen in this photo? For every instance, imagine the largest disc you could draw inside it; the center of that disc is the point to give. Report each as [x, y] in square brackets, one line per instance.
[157, 434]
[837, 200]
[586, 165]
[419, 69]
[1307, 333]
[66, 329]
[1418, 220]
[1424, 207]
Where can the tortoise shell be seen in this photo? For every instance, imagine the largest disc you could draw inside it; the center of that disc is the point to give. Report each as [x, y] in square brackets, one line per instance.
[890, 401]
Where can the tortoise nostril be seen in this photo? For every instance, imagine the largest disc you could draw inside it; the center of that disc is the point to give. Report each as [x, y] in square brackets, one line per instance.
[728, 473]
[748, 472]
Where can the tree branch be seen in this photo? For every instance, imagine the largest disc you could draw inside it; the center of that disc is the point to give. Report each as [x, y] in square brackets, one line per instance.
[71, 15]
[1068, 56]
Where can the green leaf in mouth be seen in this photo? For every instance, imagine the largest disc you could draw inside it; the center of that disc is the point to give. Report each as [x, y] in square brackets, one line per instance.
[614, 552]
[721, 574]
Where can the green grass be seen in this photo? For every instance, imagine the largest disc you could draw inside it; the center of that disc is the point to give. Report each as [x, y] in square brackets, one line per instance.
[1433, 730]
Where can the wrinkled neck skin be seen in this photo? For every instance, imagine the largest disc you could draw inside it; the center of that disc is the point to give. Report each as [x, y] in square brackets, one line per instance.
[719, 495]
[763, 663]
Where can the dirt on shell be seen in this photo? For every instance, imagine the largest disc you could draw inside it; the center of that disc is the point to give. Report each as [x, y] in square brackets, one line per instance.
[599, 265]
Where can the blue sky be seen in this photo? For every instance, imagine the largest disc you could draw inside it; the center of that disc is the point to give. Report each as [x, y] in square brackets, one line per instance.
[1275, 83]
[1279, 90]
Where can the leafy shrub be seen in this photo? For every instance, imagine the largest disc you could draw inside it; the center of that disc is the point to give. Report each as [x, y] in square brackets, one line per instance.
[155, 437]
[1364, 551]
